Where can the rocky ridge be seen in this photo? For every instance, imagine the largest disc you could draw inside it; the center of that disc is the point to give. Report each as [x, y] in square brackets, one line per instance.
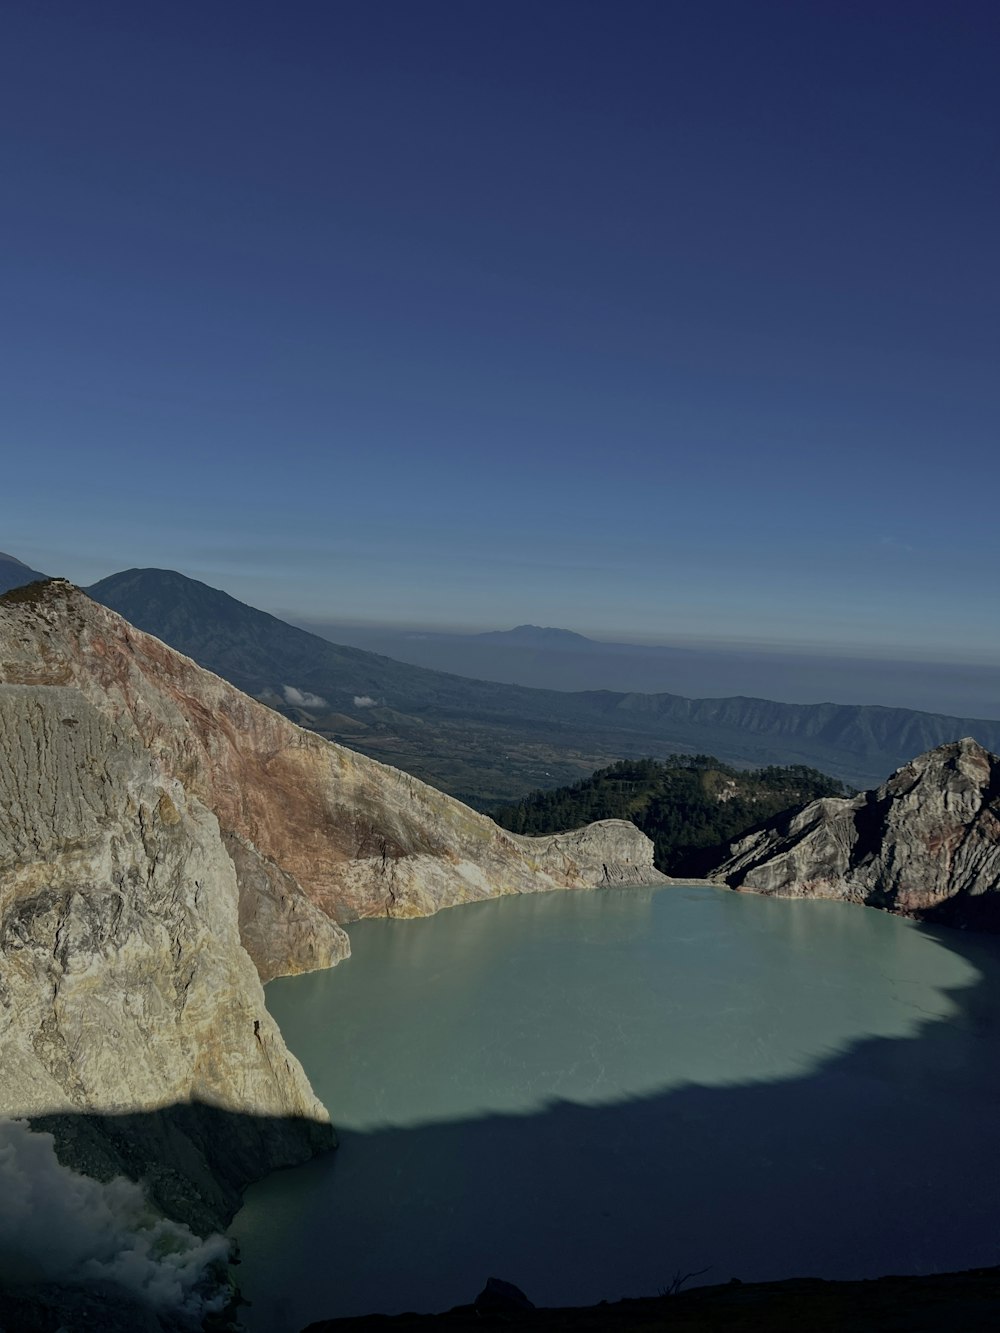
[926, 844]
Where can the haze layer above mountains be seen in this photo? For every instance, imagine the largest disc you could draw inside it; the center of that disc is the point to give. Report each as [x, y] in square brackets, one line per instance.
[487, 742]
[560, 659]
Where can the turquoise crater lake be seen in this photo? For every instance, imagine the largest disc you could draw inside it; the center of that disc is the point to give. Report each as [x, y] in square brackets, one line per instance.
[585, 1093]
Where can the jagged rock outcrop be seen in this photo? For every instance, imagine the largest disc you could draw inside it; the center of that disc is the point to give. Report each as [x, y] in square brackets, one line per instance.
[280, 928]
[607, 852]
[52, 634]
[926, 844]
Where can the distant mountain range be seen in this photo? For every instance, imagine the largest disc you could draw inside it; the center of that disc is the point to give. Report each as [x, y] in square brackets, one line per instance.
[490, 742]
[552, 658]
[536, 636]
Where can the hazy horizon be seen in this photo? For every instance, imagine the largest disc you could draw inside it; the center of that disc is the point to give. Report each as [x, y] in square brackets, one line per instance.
[268, 589]
[792, 647]
[84, 571]
[805, 674]
[673, 325]
[695, 666]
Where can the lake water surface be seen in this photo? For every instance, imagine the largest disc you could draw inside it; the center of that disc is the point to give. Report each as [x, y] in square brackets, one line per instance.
[586, 1093]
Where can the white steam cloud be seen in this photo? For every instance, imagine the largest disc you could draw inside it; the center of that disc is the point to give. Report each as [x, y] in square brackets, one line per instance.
[58, 1226]
[303, 698]
[364, 701]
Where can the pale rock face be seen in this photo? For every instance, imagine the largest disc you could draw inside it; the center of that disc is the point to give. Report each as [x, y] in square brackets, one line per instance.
[925, 844]
[607, 852]
[280, 928]
[123, 985]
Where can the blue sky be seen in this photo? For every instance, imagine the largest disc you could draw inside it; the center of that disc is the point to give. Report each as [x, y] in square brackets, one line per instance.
[670, 319]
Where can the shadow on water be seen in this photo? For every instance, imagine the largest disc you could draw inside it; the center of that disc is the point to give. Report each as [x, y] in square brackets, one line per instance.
[194, 1160]
[75, 1256]
[880, 1160]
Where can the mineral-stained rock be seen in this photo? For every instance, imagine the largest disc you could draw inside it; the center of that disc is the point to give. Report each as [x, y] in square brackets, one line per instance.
[925, 844]
[123, 984]
[278, 923]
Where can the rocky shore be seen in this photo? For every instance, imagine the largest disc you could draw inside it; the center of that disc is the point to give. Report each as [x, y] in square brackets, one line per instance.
[925, 844]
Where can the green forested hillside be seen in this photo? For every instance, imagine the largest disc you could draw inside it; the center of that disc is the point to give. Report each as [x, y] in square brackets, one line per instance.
[687, 805]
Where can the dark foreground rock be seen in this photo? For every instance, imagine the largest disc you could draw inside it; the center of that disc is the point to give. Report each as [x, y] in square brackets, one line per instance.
[498, 1297]
[943, 1303]
[103, 1307]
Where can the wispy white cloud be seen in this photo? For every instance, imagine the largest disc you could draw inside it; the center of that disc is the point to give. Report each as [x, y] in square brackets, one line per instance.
[302, 698]
[364, 701]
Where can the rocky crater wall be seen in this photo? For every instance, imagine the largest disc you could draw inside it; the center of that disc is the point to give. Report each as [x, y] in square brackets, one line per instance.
[165, 843]
[124, 989]
[926, 844]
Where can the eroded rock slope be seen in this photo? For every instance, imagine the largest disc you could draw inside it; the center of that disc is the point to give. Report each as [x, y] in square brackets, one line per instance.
[925, 844]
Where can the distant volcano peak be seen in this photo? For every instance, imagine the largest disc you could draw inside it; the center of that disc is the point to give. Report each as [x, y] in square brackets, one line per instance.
[537, 634]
